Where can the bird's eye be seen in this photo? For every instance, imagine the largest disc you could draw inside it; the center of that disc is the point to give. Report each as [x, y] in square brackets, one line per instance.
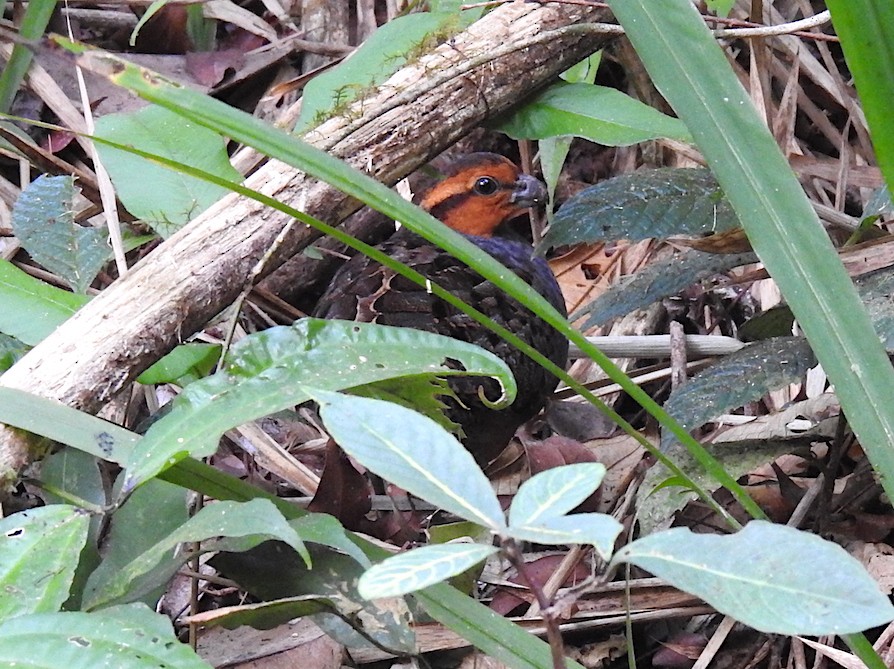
[486, 185]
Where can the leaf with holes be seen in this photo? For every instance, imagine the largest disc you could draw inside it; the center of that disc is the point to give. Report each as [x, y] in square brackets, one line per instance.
[124, 637]
[38, 556]
[269, 371]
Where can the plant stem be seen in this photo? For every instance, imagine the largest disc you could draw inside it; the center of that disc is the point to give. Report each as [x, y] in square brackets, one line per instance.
[553, 634]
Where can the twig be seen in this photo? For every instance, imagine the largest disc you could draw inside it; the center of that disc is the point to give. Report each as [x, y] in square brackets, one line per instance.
[743, 29]
[553, 633]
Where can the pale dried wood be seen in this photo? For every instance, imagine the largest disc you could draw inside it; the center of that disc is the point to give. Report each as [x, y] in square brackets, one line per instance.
[195, 274]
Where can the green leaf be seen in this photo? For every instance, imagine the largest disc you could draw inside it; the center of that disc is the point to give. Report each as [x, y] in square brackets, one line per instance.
[43, 221]
[11, 351]
[183, 365]
[602, 115]
[554, 492]
[866, 30]
[554, 150]
[61, 423]
[737, 379]
[227, 526]
[659, 279]
[39, 552]
[266, 615]
[423, 394]
[32, 27]
[597, 529]
[647, 204]
[674, 44]
[770, 577]
[412, 452]
[160, 131]
[270, 370]
[876, 289]
[32, 309]
[381, 54]
[273, 571]
[72, 472]
[732, 382]
[721, 7]
[153, 512]
[323, 529]
[131, 637]
[420, 568]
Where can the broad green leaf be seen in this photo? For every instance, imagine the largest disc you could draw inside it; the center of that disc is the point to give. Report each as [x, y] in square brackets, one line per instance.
[737, 379]
[32, 309]
[554, 492]
[596, 529]
[126, 637]
[43, 221]
[659, 279]
[270, 370]
[413, 452]
[773, 578]
[226, 526]
[602, 115]
[61, 423]
[162, 132]
[381, 54]
[554, 150]
[657, 203]
[323, 529]
[183, 365]
[732, 382]
[71, 476]
[153, 512]
[273, 571]
[420, 568]
[39, 552]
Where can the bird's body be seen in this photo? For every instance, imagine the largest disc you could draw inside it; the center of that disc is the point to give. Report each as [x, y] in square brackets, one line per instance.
[479, 195]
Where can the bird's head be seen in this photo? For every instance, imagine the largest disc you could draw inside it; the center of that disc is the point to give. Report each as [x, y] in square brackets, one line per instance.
[480, 192]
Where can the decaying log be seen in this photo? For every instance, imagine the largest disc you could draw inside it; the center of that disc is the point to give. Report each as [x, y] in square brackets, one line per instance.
[173, 292]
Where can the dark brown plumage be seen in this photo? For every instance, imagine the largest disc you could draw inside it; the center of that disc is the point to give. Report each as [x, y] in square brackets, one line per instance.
[479, 195]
